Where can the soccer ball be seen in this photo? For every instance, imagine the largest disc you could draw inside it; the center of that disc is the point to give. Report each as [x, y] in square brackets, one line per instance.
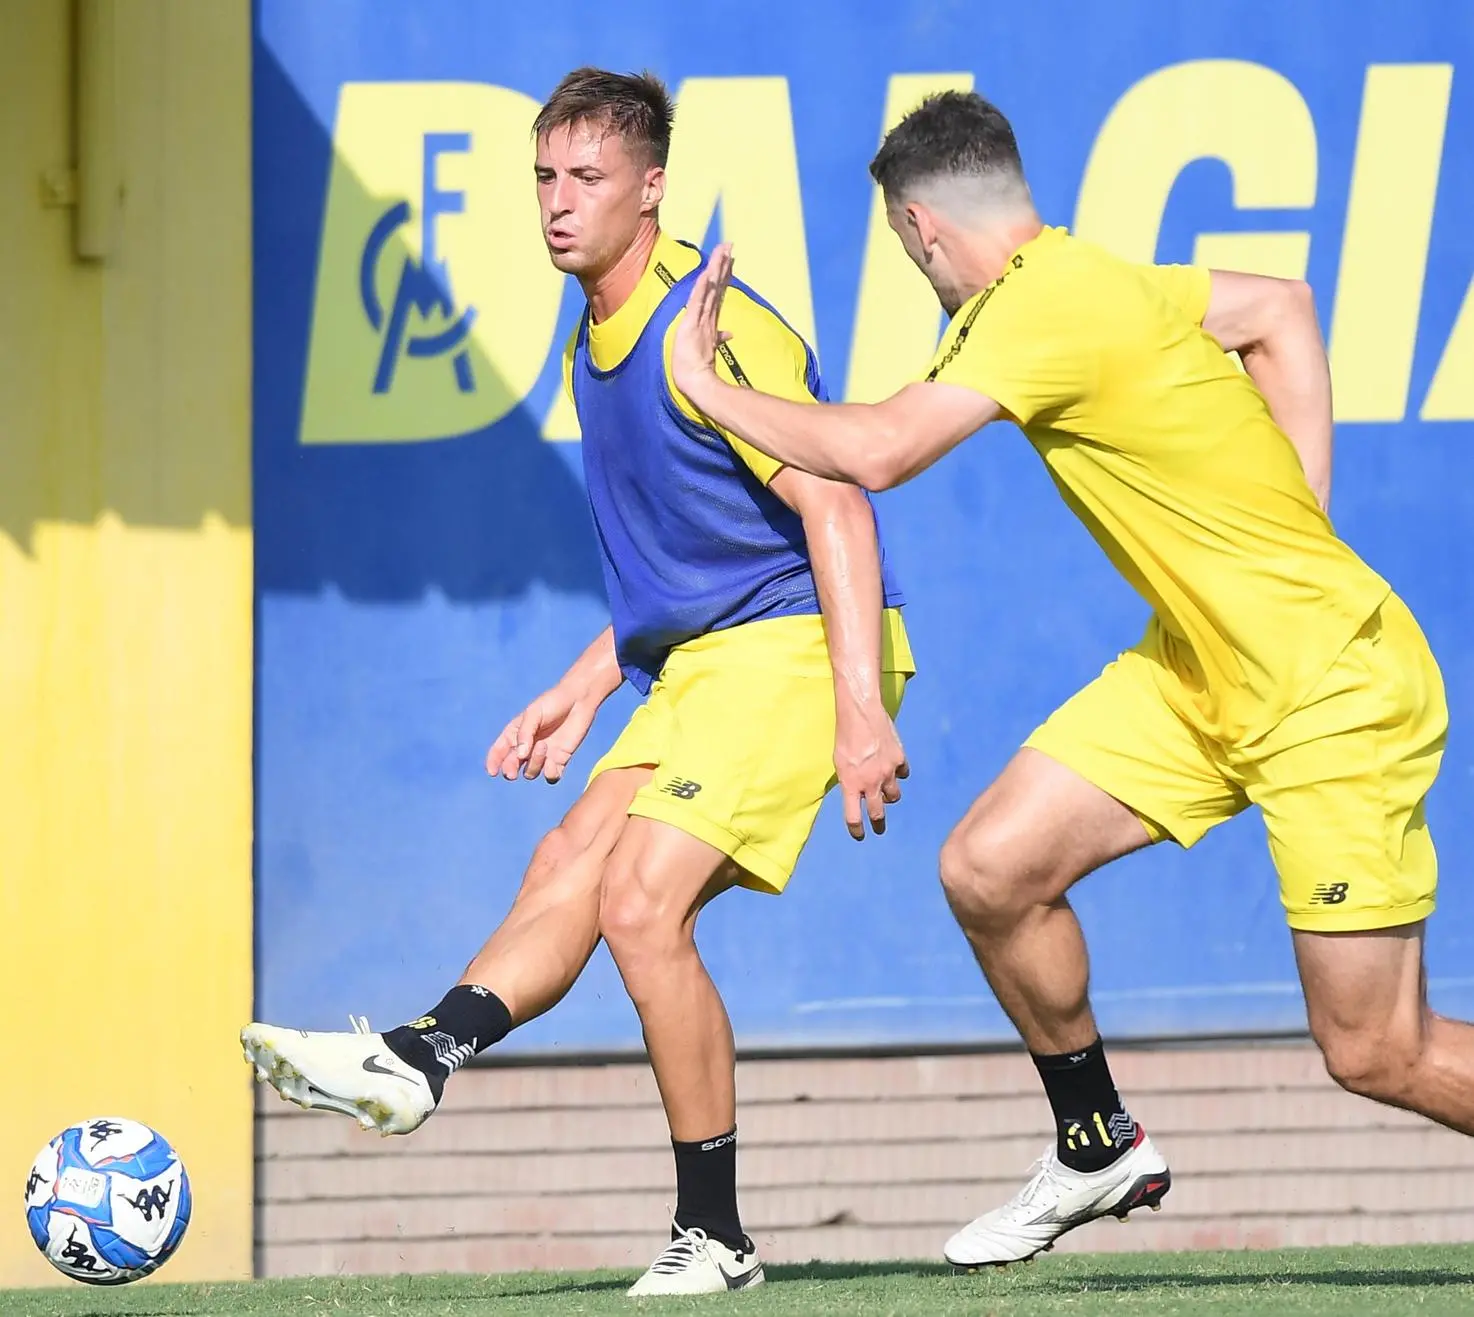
[107, 1201]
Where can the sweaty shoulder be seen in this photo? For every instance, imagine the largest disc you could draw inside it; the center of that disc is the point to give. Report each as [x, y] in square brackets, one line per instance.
[763, 353]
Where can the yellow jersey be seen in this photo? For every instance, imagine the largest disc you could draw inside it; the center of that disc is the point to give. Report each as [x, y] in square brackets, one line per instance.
[1167, 452]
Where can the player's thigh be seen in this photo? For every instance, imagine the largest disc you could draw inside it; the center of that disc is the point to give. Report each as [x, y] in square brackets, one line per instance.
[1121, 737]
[1342, 783]
[596, 819]
[569, 861]
[1038, 828]
[656, 882]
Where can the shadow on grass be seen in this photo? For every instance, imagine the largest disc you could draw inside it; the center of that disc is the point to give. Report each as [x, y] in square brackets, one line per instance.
[1411, 1278]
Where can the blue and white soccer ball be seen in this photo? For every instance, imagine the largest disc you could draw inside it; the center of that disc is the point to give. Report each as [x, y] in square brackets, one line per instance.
[107, 1201]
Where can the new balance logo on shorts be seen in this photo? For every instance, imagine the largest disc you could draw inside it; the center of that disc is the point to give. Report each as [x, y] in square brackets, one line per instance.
[1329, 894]
[681, 788]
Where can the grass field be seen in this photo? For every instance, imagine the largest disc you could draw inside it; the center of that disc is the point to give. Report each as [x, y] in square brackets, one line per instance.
[1422, 1280]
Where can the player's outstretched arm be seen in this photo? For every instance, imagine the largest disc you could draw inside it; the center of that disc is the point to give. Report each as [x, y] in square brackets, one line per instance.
[542, 738]
[1272, 325]
[877, 445]
[839, 527]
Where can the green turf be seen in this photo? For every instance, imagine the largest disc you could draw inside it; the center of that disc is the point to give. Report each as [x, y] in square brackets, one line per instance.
[1422, 1280]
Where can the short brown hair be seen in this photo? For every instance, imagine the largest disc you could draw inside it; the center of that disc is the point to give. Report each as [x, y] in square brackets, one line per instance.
[952, 132]
[634, 106]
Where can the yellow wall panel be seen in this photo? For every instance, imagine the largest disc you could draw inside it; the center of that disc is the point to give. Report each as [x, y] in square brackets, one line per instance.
[125, 602]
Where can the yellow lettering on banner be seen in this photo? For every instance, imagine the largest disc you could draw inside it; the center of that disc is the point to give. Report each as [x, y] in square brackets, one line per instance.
[897, 318]
[458, 156]
[733, 146]
[1384, 254]
[560, 425]
[1451, 395]
[1245, 114]
[1283, 255]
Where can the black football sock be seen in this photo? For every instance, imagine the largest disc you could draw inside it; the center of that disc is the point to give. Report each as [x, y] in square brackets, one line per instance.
[1093, 1127]
[468, 1019]
[706, 1189]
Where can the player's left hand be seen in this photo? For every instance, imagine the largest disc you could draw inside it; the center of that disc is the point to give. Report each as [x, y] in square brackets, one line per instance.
[870, 763]
[694, 345]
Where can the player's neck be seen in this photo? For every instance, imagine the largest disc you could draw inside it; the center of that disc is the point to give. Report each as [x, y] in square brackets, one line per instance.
[609, 291]
[990, 250]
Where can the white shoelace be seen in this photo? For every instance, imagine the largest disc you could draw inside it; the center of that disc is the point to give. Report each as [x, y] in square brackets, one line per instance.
[360, 1023]
[1022, 1203]
[684, 1250]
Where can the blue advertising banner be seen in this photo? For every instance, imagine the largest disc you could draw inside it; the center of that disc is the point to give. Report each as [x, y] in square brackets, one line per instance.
[425, 559]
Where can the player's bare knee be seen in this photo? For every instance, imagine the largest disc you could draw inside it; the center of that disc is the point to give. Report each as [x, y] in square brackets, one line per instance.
[558, 847]
[634, 917]
[1372, 1062]
[985, 879]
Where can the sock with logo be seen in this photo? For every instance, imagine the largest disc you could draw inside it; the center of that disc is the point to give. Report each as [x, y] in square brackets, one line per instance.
[468, 1019]
[706, 1189]
[1093, 1127]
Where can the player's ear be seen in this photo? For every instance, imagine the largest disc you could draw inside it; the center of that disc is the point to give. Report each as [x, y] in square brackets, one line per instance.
[924, 224]
[654, 192]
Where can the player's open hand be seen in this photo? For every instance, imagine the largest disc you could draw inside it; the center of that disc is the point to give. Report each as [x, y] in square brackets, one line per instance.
[542, 738]
[870, 764]
[694, 346]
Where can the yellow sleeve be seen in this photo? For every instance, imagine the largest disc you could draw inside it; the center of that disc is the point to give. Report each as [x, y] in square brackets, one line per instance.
[1187, 287]
[1020, 346]
[569, 348]
[771, 358]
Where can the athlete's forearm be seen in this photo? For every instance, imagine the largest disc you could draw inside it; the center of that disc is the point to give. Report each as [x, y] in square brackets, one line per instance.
[839, 441]
[1289, 366]
[844, 552]
[595, 673]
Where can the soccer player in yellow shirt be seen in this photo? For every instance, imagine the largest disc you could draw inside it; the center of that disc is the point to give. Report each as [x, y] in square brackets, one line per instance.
[1277, 669]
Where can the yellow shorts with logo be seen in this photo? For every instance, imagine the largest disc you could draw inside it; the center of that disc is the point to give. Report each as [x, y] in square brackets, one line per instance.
[740, 731]
[1340, 780]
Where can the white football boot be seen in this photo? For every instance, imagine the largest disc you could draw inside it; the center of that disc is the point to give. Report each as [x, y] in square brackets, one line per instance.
[1057, 1199]
[695, 1263]
[352, 1073]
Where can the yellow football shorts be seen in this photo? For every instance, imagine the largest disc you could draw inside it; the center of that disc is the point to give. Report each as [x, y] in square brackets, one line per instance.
[740, 730]
[1340, 781]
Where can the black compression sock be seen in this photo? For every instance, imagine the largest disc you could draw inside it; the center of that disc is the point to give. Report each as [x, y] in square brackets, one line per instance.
[1094, 1129]
[468, 1019]
[706, 1189]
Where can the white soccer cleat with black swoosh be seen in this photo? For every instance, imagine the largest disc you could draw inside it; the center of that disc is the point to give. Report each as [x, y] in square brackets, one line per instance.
[695, 1263]
[351, 1073]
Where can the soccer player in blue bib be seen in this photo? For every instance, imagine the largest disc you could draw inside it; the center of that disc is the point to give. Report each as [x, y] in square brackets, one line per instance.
[751, 604]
